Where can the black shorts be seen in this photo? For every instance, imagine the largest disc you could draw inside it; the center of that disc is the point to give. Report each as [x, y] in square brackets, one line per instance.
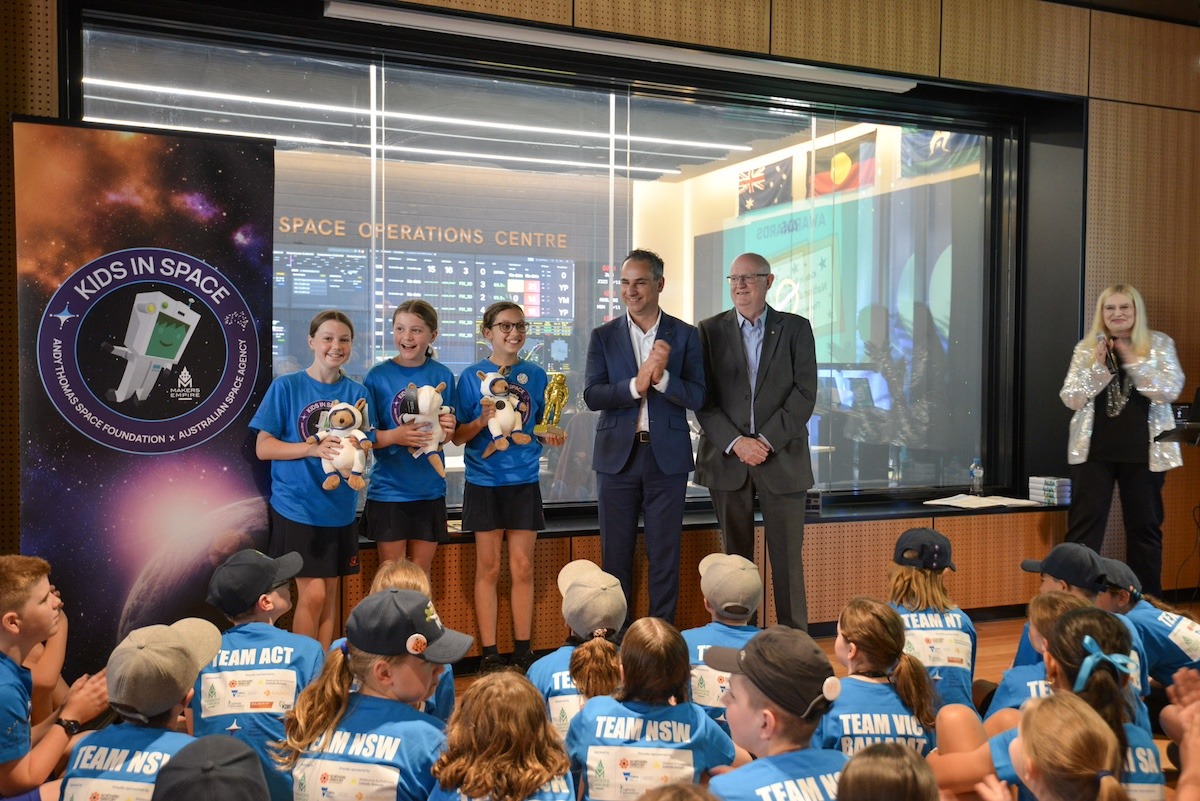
[392, 521]
[515, 507]
[328, 551]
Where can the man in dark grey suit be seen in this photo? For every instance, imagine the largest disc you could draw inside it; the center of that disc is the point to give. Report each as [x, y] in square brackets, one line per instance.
[760, 368]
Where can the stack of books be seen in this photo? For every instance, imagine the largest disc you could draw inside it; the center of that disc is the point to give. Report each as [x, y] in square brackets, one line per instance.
[1050, 489]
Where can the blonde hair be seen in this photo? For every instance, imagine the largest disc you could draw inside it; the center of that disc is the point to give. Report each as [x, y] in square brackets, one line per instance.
[499, 742]
[916, 588]
[887, 771]
[595, 667]
[401, 574]
[1139, 337]
[322, 704]
[1047, 607]
[878, 632]
[1072, 748]
[18, 574]
[655, 662]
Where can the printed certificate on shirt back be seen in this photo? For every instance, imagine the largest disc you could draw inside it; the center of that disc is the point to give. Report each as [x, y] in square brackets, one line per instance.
[244, 692]
[623, 773]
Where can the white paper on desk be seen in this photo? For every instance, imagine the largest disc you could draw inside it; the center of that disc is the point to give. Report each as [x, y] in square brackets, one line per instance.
[981, 501]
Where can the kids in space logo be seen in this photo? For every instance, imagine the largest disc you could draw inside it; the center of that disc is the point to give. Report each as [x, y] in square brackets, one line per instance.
[148, 351]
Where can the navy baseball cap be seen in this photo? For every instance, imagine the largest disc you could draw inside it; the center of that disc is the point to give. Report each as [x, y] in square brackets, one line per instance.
[398, 622]
[1119, 575]
[1076, 564]
[923, 548]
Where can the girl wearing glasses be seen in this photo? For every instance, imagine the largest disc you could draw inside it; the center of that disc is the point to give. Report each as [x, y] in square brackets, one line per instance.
[502, 497]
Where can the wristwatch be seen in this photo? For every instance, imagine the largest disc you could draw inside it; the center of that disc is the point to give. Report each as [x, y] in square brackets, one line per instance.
[72, 727]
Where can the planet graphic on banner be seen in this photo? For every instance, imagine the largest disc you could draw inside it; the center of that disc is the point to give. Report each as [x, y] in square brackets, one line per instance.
[174, 583]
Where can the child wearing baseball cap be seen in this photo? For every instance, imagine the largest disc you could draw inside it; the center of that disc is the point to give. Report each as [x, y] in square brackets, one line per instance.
[260, 669]
[732, 590]
[356, 724]
[150, 678]
[780, 683]
[215, 766]
[594, 609]
[938, 632]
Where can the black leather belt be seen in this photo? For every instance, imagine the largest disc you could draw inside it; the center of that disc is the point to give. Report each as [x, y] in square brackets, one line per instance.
[642, 437]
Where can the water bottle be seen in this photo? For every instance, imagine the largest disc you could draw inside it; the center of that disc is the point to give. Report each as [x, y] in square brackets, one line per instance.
[976, 473]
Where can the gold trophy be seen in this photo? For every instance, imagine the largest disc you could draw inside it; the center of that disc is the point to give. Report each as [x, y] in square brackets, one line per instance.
[556, 400]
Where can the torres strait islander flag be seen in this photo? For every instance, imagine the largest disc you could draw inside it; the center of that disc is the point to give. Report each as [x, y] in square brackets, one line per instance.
[846, 165]
[761, 187]
[923, 151]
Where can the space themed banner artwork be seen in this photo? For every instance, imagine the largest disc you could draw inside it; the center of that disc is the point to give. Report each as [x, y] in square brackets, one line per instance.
[144, 279]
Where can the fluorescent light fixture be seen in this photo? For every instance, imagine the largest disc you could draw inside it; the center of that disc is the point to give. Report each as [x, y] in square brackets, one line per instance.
[608, 46]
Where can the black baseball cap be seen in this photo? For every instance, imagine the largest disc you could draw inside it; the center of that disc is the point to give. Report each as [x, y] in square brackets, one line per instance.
[786, 666]
[216, 766]
[240, 580]
[927, 549]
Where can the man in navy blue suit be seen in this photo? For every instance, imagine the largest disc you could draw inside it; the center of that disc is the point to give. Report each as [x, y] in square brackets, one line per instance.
[644, 371]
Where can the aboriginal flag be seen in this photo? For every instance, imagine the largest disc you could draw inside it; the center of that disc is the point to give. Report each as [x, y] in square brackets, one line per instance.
[761, 187]
[846, 165]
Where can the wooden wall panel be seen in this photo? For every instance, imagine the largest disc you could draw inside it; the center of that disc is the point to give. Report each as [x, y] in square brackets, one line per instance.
[1021, 43]
[888, 35]
[554, 12]
[1145, 61]
[28, 85]
[744, 25]
[988, 550]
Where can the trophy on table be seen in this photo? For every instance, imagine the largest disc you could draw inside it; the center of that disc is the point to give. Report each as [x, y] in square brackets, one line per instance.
[556, 400]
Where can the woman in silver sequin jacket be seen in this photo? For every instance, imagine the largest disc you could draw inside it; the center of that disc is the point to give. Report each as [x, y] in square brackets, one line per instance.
[1122, 380]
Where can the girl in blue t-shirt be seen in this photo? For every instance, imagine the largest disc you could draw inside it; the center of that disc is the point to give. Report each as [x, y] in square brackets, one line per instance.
[647, 732]
[355, 730]
[315, 522]
[1087, 654]
[502, 497]
[500, 746]
[887, 696]
[406, 500]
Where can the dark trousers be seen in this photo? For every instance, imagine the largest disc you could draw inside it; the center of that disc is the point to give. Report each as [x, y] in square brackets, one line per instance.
[783, 525]
[1141, 507]
[642, 487]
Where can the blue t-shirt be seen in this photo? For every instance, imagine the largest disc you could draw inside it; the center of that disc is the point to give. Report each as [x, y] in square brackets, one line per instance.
[945, 642]
[626, 748]
[290, 412]
[1171, 641]
[1141, 774]
[1026, 655]
[520, 463]
[380, 749]
[399, 476]
[560, 788]
[1018, 685]
[119, 761]
[809, 773]
[867, 713]
[551, 675]
[248, 686]
[16, 706]
[708, 685]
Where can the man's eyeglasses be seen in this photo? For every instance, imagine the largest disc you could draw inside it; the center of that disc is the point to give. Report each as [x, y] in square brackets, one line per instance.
[742, 280]
[506, 328]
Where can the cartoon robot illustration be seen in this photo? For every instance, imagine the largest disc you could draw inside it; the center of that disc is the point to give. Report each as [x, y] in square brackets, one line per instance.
[160, 328]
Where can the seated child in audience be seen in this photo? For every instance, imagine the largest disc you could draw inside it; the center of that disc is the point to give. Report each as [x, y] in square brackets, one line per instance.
[1170, 636]
[501, 747]
[212, 768]
[1063, 752]
[392, 658]
[594, 608]
[780, 683]
[732, 592]
[1086, 654]
[939, 634]
[648, 723]
[260, 670]
[45, 663]
[887, 772]
[887, 696]
[1023, 682]
[678, 791]
[151, 675]
[30, 614]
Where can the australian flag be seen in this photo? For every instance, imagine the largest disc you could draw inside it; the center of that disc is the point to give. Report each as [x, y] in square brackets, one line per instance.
[761, 187]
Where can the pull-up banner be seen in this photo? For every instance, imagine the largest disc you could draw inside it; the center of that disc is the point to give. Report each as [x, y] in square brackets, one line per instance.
[144, 280]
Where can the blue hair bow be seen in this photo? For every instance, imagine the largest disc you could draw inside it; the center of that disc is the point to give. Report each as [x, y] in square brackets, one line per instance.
[1120, 662]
